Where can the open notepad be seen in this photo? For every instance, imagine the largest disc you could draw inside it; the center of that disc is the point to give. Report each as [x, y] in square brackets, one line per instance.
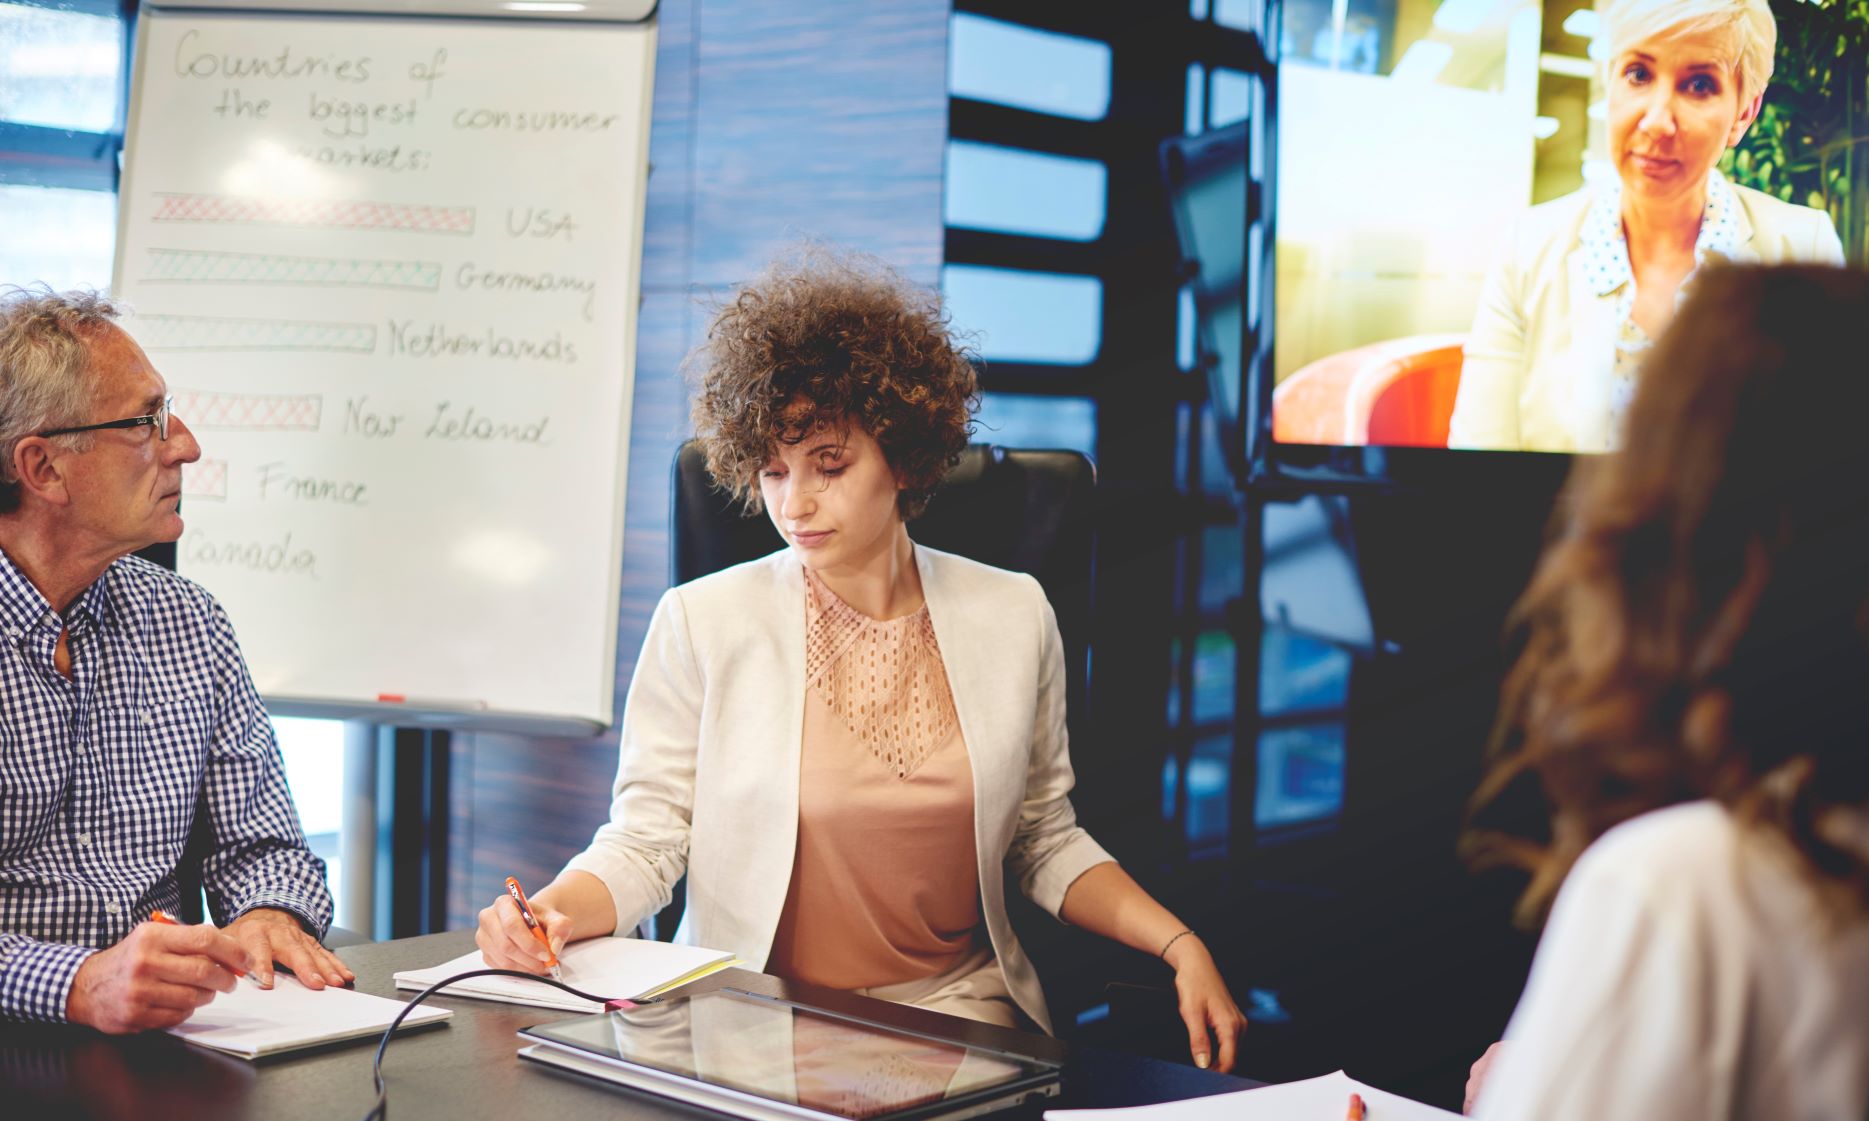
[251, 1021]
[1315, 1099]
[615, 968]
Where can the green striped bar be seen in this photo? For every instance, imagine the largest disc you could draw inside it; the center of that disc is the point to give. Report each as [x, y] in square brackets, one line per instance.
[201, 332]
[190, 266]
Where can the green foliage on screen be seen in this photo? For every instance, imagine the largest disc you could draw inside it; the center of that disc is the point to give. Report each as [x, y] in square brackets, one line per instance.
[1810, 145]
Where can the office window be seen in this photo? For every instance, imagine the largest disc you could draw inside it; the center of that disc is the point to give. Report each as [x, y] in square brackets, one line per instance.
[1019, 420]
[1223, 550]
[61, 74]
[1298, 673]
[314, 758]
[1210, 774]
[1064, 75]
[1211, 691]
[990, 187]
[1213, 678]
[1196, 111]
[1300, 774]
[1242, 15]
[1232, 98]
[1184, 327]
[1022, 316]
[1304, 689]
[55, 236]
[59, 69]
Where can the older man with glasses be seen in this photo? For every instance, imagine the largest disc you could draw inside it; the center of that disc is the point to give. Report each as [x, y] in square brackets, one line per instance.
[126, 708]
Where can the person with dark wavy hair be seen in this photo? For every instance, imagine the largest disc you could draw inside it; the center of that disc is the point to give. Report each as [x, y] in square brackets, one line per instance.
[1693, 694]
[845, 745]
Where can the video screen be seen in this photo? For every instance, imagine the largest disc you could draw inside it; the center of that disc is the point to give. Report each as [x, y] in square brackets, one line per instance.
[1486, 208]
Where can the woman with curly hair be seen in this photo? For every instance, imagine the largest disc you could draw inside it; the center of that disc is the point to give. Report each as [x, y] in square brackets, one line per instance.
[1693, 693]
[844, 743]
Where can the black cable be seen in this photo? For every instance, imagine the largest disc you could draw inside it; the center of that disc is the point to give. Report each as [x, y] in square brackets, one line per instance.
[380, 1110]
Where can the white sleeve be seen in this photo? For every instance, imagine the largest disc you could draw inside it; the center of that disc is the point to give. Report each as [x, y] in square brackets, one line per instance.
[1492, 369]
[642, 851]
[1049, 849]
[1828, 249]
[1617, 1019]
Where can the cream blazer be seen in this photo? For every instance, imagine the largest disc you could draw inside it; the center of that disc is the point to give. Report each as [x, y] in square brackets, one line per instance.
[1542, 351]
[708, 778]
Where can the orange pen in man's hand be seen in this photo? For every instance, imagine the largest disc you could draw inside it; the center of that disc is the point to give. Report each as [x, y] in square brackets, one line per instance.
[532, 924]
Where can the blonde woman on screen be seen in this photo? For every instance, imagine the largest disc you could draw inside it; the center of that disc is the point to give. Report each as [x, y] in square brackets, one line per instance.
[1588, 280]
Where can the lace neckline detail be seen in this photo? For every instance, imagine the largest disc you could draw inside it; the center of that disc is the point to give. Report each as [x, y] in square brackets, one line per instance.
[883, 678]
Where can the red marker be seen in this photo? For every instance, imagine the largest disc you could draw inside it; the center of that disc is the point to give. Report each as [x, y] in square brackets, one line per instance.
[1358, 1111]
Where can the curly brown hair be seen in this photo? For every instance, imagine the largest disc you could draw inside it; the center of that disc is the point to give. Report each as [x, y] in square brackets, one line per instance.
[827, 338]
[1696, 628]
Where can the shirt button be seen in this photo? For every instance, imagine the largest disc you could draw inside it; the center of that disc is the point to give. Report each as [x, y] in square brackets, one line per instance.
[149, 720]
[113, 907]
[81, 749]
[84, 840]
[12, 632]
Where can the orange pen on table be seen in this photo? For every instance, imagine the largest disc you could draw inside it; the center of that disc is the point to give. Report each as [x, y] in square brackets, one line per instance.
[532, 924]
[1358, 1111]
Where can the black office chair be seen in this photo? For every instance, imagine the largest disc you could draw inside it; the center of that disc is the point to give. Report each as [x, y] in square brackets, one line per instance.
[1029, 511]
[1026, 510]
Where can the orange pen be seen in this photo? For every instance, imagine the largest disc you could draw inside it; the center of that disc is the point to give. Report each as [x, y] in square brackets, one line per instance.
[532, 924]
[1358, 1111]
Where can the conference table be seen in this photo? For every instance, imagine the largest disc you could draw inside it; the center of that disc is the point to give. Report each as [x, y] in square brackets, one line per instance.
[469, 1067]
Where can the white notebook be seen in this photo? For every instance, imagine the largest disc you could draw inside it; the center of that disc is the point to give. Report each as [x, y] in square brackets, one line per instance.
[614, 968]
[251, 1021]
[1315, 1099]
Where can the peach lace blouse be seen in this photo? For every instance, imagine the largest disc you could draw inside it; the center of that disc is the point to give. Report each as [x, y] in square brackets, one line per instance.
[885, 887]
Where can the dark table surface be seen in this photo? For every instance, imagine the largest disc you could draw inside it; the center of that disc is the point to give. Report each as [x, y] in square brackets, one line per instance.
[466, 1069]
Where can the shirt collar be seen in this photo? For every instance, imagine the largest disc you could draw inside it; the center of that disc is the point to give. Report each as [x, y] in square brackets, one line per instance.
[23, 607]
[1606, 253]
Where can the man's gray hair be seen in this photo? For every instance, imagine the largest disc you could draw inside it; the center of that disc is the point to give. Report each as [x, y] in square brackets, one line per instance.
[45, 353]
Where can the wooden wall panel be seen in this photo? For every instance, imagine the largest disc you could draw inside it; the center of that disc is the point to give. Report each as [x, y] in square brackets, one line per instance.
[826, 119]
[771, 122]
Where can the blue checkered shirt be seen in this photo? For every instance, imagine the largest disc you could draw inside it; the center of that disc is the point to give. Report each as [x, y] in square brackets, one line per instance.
[101, 774]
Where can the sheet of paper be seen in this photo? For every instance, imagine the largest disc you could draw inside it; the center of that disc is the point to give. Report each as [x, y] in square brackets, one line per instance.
[616, 968]
[1326, 1098]
[251, 1021]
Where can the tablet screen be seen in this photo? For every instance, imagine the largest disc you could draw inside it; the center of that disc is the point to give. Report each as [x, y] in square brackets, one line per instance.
[791, 1054]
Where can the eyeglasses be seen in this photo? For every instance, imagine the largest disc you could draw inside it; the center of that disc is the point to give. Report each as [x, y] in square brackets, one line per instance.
[159, 420]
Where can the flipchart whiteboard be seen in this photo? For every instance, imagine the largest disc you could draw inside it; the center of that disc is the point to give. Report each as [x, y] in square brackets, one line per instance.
[389, 268]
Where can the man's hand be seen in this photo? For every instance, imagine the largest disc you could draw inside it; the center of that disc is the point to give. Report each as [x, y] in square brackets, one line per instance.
[155, 978]
[269, 935]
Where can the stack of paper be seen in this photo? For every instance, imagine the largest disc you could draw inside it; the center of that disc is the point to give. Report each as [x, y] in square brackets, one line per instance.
[614, 968]
[251, 1021]
[1315, 1099]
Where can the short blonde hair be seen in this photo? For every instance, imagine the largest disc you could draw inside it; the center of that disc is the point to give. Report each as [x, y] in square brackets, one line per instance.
[1748, 24]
